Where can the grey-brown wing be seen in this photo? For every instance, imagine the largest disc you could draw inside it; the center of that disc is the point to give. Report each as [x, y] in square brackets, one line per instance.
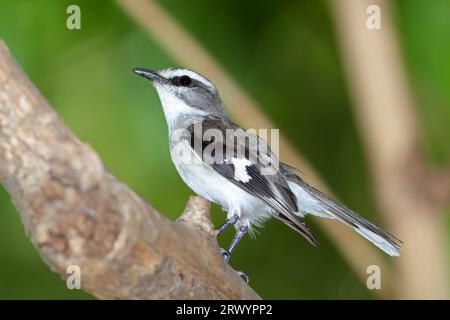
[269, 187]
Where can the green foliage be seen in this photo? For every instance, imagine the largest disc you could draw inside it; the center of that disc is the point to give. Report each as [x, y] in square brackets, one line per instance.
[283, 52]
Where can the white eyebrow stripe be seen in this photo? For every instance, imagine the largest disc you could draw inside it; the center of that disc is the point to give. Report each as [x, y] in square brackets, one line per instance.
[170, 73]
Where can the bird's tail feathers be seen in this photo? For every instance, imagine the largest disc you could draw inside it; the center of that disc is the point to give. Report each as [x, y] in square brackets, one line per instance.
[380, 238]
[297, 224]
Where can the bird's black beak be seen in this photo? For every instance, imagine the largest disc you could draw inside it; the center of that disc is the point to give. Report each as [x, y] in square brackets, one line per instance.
[149, 74]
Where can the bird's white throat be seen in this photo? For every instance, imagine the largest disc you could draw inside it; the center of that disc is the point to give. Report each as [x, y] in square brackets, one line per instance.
[174, 107]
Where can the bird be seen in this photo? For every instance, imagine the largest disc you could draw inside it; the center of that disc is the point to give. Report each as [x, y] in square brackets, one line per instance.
[236, 169]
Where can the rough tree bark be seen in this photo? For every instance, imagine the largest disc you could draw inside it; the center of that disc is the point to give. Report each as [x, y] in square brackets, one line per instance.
[76, 212]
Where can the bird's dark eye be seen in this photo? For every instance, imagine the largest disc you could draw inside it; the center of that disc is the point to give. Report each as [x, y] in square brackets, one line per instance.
[184, 81]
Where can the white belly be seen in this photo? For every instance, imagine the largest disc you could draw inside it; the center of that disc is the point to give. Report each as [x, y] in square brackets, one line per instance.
[206, 182]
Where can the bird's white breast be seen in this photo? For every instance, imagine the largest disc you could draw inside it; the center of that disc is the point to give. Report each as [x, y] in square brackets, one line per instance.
[209, 184]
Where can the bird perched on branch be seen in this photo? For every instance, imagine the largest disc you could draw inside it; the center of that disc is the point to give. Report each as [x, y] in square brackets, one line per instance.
[236, 169]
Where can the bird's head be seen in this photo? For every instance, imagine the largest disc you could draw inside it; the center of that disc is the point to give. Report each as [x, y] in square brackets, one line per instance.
[183, 92]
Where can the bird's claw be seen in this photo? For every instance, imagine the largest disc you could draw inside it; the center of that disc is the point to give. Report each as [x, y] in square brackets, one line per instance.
[243, 276]
[226, 256]
[225, 253]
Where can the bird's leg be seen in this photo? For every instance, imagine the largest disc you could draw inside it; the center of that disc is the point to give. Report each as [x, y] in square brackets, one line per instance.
[241, 231]
[229, 222]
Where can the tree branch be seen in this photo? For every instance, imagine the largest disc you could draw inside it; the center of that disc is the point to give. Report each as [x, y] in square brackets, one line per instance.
[76, 212]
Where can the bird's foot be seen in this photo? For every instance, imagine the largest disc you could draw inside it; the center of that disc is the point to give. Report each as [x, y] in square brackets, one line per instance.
[226, 256]
[225, 253]
[243, 276]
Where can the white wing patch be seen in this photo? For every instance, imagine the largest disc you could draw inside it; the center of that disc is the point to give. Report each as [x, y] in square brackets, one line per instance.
[240, 169]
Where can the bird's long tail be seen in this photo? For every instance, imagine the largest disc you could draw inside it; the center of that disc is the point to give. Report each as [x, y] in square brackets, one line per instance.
[313, 201]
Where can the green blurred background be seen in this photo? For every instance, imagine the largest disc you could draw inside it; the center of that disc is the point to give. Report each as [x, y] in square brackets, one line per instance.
[284, 53]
